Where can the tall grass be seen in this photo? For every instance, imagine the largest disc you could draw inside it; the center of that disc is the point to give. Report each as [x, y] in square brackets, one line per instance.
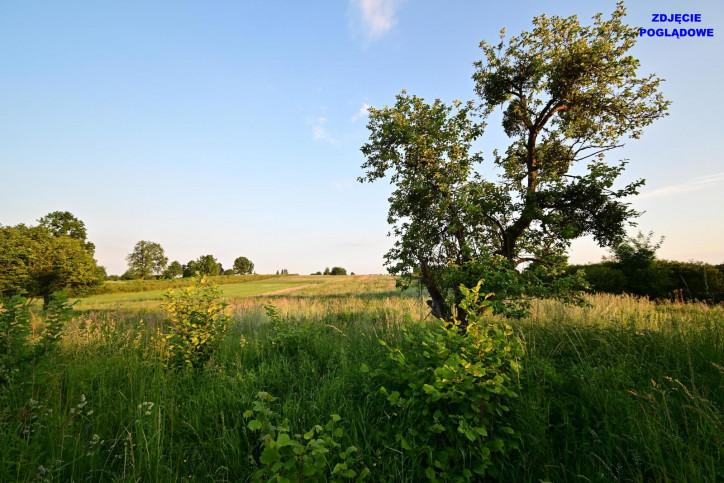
[626, 390]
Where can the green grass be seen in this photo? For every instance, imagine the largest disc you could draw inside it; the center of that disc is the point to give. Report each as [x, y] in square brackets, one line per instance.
[152, 298]
[624, 391]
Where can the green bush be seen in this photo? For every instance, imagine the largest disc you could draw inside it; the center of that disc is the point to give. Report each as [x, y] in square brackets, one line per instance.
[694, 280]
[452, 389]
[196, 324]
[317, 456]
[18, 346]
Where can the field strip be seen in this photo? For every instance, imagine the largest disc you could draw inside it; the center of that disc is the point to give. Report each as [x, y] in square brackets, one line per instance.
[285, 290]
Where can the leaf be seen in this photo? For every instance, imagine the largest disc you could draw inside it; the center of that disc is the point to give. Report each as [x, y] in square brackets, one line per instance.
[254, 424]
[405, 444]
[268, 456]
[364, 369]
[283, 440]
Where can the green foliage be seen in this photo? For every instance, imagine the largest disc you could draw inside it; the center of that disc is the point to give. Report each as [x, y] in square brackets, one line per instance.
[316, 456]
[623, 390]
[196, 324]
[205, 265]
[338, 271]
[34, 263]
[693, 280]
[243, 265]
[18, 342]
[453, 390]
[288, 336]
[173, 270]
[147, 259]
[63, 223]
[635, 270]
[14, 333]
[569, 93]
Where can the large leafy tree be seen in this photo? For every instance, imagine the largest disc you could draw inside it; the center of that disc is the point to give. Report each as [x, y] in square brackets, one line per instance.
[147, 258]
[36, 263]
[243, 265]
[64, 223]
[569, 93]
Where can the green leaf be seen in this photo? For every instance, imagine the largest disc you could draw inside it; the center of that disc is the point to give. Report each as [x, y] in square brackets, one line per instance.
[283, 440]
[254, 424]
[268, 456]
[405, 444]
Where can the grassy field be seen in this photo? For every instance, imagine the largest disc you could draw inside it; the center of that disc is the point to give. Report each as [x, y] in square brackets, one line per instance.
[625, 390]
[152, 298]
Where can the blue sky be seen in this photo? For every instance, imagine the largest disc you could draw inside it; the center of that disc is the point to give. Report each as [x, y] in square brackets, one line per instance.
[234, 128]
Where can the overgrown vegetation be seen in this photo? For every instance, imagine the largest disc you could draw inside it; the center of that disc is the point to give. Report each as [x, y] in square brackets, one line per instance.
[452, 389]
[624, 390]
[634, 269]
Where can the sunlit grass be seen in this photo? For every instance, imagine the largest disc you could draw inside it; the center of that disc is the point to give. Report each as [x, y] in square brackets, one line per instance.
[625, 390]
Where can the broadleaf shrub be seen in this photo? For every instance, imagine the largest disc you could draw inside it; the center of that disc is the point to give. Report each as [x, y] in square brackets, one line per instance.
[451, 391]
[315, 456]
[196, 324]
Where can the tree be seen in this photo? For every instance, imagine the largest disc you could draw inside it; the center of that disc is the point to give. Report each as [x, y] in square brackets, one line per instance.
[326, 271]
[174, 269]
[204, 265]
[146, 259]
[636, 258]
[569, 94]
[37, 264]
[63, 223]
[338, 271]
[243, 265]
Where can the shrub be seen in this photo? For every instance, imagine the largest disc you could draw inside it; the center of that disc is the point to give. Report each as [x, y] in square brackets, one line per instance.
[451, 390]
[196, 324]
[17, 346]
[317, 456]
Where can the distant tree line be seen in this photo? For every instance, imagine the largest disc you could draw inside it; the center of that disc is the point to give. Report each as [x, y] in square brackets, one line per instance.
[634, 269]
[333, 271]
[149, 260]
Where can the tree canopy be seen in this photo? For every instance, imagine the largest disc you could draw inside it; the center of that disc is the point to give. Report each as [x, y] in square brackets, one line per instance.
[64, 223]
[204, 265]
[569, 94]
[243, 265]
[173, 270]
[147, 259]
[36, 263]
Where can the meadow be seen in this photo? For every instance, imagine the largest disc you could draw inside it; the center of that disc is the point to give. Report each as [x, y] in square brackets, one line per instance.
[623, 390]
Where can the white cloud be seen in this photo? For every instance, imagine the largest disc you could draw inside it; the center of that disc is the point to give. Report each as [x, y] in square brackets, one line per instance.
[374, 17]
[694, 184]
[361, 113]
[319, 133]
